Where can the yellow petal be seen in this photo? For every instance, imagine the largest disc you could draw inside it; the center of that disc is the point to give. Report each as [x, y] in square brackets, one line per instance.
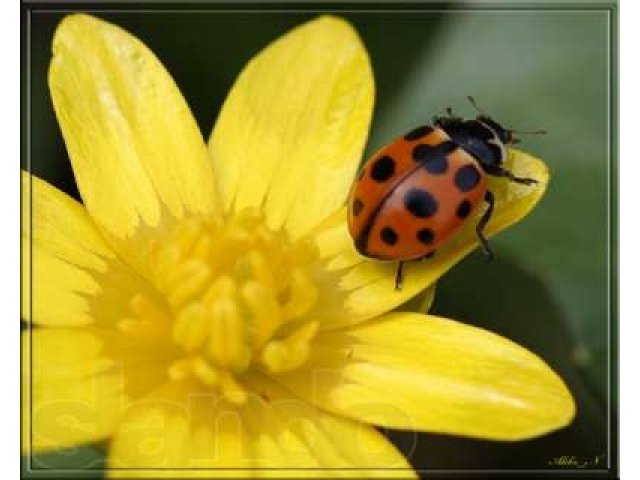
[70, 275]
[79, 381]
[179, 431]
[182, 431]
[418, 372]
[136, 151]
[60, 246]
[366, 287]
[293, 433]
[421, 303]
[291, 132]
[75, 397]
[54, 219]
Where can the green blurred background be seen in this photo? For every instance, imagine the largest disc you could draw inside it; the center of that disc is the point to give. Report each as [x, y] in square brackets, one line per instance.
[549, 287]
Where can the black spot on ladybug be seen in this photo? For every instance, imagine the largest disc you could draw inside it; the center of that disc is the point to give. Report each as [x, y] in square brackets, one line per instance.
[434, 158]
[389, 236]
[446, 147]
[436, 164]
[464, 209]
[467, 178]
[361, 242]
[419, 132]
[421, 152]
[420, 203]
[357, 207]
[425, 236]
[382, 170]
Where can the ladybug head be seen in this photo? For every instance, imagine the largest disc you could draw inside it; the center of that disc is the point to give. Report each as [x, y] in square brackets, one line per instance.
[505, 135]
[483, 137]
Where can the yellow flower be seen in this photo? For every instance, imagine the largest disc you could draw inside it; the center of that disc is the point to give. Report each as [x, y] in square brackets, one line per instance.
[205, 307]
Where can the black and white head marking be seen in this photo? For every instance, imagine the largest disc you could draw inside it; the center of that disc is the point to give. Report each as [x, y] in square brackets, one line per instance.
[482, 138]
[494, 142]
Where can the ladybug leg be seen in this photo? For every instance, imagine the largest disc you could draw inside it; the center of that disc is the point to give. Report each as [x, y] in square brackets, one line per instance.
[399, 276]
[490, 199]
[501, 172]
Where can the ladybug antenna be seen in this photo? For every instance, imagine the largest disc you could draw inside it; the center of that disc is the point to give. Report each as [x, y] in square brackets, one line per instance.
[475, 105]
[531, 132]
[513, 140]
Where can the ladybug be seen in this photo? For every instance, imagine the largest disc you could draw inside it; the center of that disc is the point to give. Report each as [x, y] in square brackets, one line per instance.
[416, 192]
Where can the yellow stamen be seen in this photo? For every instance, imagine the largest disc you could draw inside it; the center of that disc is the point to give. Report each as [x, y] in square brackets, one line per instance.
[192, 285]
[180, 369]
[227, 345]
[191, 328]
[224, 286]
[235, 295]
[303, 295]
[265, 310]
[231, 390]
[144, 308]
[204, 372]
[261, 269]
[290, 353]
[149, 322]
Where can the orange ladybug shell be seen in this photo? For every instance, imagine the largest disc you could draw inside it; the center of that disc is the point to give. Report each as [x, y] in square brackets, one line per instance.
[413, 195]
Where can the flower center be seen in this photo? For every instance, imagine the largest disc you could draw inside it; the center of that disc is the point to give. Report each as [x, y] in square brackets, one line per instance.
[237, 294]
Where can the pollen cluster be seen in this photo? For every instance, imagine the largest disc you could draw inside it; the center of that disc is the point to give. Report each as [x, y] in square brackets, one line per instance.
[236, 296]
